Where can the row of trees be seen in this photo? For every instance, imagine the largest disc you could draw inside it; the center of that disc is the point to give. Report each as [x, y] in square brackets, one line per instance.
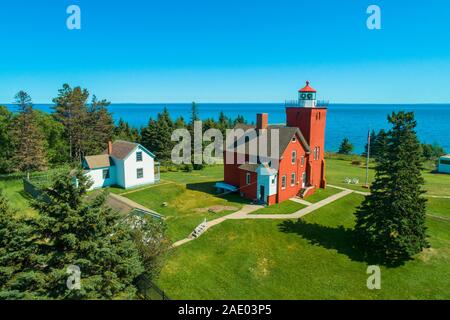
[378, 142]
[156, 136]
[32, 140]
[112, 252]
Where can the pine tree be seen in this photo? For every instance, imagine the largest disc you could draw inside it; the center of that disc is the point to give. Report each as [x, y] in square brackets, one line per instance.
[346, 147]
[75, 230]
[18, 279]
[100, 125]
[29, 141]
[71, 111]
[6, 149]
[157, 135]
[391, 220]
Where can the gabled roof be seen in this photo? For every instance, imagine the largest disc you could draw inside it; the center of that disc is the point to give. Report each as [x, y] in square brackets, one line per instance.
[285, 137]
[98, 161]
[121, 149]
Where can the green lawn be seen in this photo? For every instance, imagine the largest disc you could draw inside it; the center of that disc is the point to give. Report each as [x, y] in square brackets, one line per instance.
[310, 259]
[321, 194]
[209, 173]
[337, 170]
[187, 205]
[438, 207]
[285, 207]
[13, 190]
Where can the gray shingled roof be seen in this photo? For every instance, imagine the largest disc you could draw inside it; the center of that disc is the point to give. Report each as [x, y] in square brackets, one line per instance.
[121, 149]
[285, 136]
[98, 161]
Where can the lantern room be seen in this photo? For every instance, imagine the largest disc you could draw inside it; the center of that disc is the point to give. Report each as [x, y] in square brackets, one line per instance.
[307, 96]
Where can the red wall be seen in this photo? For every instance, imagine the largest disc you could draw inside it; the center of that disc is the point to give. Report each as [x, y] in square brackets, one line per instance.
[287, 168]
[248, 191]
[231, 171]
[311, 122]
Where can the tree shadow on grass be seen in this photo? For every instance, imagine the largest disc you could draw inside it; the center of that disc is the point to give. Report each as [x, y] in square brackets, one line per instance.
[208, 187]
[341, 239]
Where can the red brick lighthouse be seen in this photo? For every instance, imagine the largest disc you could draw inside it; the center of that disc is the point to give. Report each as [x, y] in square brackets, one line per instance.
[310, 117]
[301, 166]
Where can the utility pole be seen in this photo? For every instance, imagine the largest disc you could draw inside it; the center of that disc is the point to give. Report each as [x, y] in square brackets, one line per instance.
[367, 160]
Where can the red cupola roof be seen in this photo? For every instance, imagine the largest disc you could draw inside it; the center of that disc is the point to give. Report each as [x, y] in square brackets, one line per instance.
[307, 88]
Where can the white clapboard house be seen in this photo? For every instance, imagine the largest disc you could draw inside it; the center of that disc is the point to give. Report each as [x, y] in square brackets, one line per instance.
[123, 164]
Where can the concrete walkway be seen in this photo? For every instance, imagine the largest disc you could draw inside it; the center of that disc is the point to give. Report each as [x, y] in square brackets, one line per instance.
[355, 191]
[299, 213]
[301, 201]
[245, 213]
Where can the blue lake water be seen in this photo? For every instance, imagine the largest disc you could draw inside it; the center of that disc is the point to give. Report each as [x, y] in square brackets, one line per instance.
[344, 120]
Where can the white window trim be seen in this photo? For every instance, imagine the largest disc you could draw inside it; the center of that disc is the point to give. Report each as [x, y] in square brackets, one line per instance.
[142, 156]
[285, 182]
[294, 159]
[295, 179]
[108, 174]
[137, 175]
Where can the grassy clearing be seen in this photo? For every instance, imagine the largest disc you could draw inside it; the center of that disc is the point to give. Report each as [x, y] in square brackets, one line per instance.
[209, 173]
[322, 194]
[313, 259]
[337, 170]
[184, 204]
[438, 207]
[285, 207]
[19, 200]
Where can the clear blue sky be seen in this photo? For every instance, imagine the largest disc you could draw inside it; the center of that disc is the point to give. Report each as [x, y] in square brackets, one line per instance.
[227, 50]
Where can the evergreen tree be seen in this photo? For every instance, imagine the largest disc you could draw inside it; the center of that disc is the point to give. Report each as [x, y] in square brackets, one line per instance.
[57, 150]
[240, 119]
[432, 151]
[123, 131]
[29, 147]
[180, 123]
[380, 144]
[6, 149]
[346, 147]
[75, 230]
[391, 220]
[100, 125]
[157, 135]
[88, 128]
[71, 111]
[18, 279]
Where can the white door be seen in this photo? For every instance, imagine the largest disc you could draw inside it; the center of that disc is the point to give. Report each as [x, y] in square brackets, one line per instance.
[304, 179]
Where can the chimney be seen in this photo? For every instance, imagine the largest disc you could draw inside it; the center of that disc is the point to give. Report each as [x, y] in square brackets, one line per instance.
[109, 147]
[262, 121]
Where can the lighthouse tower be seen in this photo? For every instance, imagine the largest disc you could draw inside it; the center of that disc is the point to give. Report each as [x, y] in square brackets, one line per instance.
[310, 117]
[307, 96]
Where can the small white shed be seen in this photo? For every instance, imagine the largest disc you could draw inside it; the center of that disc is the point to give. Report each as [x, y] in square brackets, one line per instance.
[444, 164]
